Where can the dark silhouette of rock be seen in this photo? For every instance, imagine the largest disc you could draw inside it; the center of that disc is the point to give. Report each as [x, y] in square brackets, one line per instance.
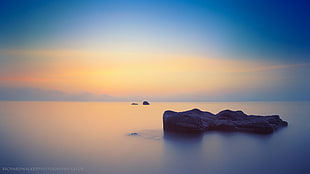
[133, 134]
[146, 103]
[195, 120]
[134, 103]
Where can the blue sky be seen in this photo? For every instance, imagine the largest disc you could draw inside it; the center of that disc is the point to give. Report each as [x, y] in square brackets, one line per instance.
[270, 34]
[266, 27]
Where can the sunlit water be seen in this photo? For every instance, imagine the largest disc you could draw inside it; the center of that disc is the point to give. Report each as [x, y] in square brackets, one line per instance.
[94, 137]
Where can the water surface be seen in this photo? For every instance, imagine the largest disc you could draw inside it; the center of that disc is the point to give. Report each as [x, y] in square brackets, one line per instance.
[95, 136]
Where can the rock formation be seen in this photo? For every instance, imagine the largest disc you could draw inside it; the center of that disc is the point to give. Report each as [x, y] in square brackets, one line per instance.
[199, 121]
[146, 103]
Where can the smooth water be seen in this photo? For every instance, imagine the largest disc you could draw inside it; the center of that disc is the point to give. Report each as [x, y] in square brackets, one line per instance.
[94, 137]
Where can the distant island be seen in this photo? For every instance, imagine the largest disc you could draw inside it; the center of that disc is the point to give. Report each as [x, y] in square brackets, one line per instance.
[146, 103]
[143, 103]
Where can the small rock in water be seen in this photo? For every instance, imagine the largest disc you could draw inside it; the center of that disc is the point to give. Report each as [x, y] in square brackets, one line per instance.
[146, 103]
[133, 134]
[148, 134]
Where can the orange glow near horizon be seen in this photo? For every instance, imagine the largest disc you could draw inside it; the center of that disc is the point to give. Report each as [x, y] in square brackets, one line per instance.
[127, 74]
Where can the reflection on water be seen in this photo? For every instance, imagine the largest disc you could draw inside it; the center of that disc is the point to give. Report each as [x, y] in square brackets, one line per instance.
[97, 137]
[183, 138]
[214, 152]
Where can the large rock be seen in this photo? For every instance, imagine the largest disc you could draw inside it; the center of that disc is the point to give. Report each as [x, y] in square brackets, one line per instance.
[198, 121]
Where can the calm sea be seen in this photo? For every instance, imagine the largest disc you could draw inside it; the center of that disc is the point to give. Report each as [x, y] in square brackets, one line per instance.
[93, 137]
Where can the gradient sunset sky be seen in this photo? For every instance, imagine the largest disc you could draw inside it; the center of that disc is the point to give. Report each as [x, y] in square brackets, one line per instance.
[164, 50]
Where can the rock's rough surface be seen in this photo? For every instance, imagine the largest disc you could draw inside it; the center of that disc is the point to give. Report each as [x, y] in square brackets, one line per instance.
[198, 121]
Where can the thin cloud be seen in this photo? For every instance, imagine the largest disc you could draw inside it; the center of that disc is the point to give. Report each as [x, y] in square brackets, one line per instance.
[273, 67]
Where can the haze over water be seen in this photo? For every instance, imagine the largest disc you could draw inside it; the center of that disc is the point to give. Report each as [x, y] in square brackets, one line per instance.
[94, 136]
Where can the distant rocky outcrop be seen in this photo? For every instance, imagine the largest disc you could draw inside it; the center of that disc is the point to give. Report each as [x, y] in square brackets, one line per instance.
[133, 134]
[199, 121]
[146, 103]
[134, 104]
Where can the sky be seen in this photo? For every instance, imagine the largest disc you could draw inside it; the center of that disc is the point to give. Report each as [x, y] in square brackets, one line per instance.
[127, 50]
